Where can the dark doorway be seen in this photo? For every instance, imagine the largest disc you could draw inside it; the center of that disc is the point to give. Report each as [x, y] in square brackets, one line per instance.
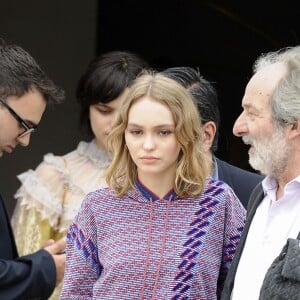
[222, 38]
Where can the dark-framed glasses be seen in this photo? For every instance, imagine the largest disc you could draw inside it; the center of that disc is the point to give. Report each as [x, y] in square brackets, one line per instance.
[27, 129]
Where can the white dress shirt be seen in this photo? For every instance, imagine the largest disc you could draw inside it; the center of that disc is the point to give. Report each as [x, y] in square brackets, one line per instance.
[274, 222]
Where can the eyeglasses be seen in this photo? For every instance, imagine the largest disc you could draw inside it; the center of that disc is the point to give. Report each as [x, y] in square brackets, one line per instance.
[27, 129]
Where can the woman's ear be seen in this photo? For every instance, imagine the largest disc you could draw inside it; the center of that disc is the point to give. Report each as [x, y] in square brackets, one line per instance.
[209, 132]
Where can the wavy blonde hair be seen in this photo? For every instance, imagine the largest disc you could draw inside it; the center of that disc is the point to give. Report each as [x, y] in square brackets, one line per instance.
[193, 165]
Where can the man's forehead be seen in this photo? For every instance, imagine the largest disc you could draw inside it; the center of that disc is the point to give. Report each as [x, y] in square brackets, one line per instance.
[266, 79]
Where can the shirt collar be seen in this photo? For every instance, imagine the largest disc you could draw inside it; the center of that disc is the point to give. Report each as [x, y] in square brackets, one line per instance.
[270, 184]
[215, 174]
[150, 195]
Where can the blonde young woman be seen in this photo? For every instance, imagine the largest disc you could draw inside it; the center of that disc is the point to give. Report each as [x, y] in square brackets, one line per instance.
[51, 195]
[162, 229]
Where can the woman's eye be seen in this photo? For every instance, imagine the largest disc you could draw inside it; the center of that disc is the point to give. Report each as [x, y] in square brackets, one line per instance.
[164, 132]
[135, 132]
[104, 111]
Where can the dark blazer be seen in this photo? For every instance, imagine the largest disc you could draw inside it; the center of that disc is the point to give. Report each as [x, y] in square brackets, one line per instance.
[241, 181]
[27, 277]
[255, 199]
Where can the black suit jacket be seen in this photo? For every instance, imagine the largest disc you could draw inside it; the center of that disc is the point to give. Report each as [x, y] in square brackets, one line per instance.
[241, 181]
[28, 277]
[256, 197]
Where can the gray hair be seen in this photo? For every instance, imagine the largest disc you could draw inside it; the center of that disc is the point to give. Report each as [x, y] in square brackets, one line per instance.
[285, 101]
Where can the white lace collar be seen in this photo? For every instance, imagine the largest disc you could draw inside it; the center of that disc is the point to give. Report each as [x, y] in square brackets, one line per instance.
[90, 150]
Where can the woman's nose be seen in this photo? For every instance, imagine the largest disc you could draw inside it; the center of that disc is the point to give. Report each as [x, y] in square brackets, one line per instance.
[148, 142]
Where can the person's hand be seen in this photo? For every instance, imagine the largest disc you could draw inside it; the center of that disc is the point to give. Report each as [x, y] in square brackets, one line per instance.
[57, 250]
[48, 243]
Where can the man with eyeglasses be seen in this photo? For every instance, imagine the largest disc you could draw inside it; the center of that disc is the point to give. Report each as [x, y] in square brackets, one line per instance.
[25, 91]
[25, 128]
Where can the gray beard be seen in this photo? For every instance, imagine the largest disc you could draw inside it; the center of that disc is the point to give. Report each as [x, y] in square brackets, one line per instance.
[270, 155]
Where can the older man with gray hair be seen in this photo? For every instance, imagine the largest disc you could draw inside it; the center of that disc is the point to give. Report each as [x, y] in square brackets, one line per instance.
[270, 125]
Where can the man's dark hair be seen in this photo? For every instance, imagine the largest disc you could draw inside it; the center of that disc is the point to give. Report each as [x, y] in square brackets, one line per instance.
[203, 92]
[19, 72]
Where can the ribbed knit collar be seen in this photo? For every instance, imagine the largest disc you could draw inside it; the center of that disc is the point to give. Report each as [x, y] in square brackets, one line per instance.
[152, 196]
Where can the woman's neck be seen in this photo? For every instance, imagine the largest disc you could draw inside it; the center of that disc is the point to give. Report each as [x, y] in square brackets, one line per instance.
[159, 186]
